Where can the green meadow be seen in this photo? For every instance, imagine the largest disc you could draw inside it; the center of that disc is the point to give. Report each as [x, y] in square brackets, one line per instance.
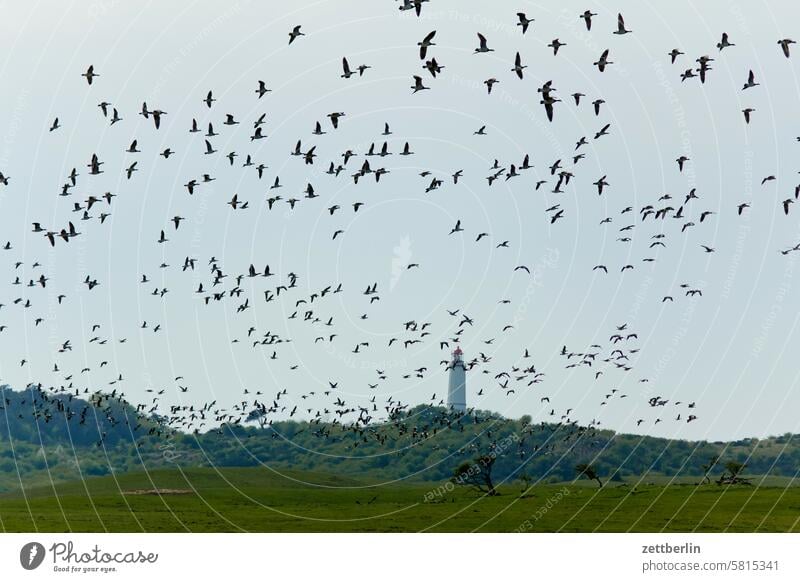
[255, 499]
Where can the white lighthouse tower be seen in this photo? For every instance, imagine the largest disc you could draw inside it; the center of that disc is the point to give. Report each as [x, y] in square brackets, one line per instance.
[457, 385]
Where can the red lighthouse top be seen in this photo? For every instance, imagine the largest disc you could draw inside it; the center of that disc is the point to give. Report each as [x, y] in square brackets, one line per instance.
[457, 351]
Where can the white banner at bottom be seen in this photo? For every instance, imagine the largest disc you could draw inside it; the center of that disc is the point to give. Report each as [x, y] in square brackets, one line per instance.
[464, 557]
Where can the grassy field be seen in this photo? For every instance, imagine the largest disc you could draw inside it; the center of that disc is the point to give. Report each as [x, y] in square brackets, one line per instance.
[256, 499]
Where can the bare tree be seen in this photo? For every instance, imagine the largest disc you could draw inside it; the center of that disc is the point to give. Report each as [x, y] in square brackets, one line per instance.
[477, 474]
[732, 474]
[588, 471]
[708, 467]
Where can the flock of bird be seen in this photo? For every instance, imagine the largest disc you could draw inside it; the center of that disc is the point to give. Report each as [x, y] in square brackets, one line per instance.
[326, 408]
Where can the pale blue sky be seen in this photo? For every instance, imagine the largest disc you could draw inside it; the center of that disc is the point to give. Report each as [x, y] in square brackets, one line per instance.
[731, 351]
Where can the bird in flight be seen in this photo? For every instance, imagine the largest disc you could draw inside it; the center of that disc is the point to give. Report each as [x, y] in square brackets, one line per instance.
[751, 82]
[482, 47]
[524, 21]
[603, 61]
[295, 32]
[784, 44]
[418, 86]
[674, 54]
[556, 44]
[518, 66]
[724, 42]
[425, 44]
[621, 26]
[587, 18]
[89, 74]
